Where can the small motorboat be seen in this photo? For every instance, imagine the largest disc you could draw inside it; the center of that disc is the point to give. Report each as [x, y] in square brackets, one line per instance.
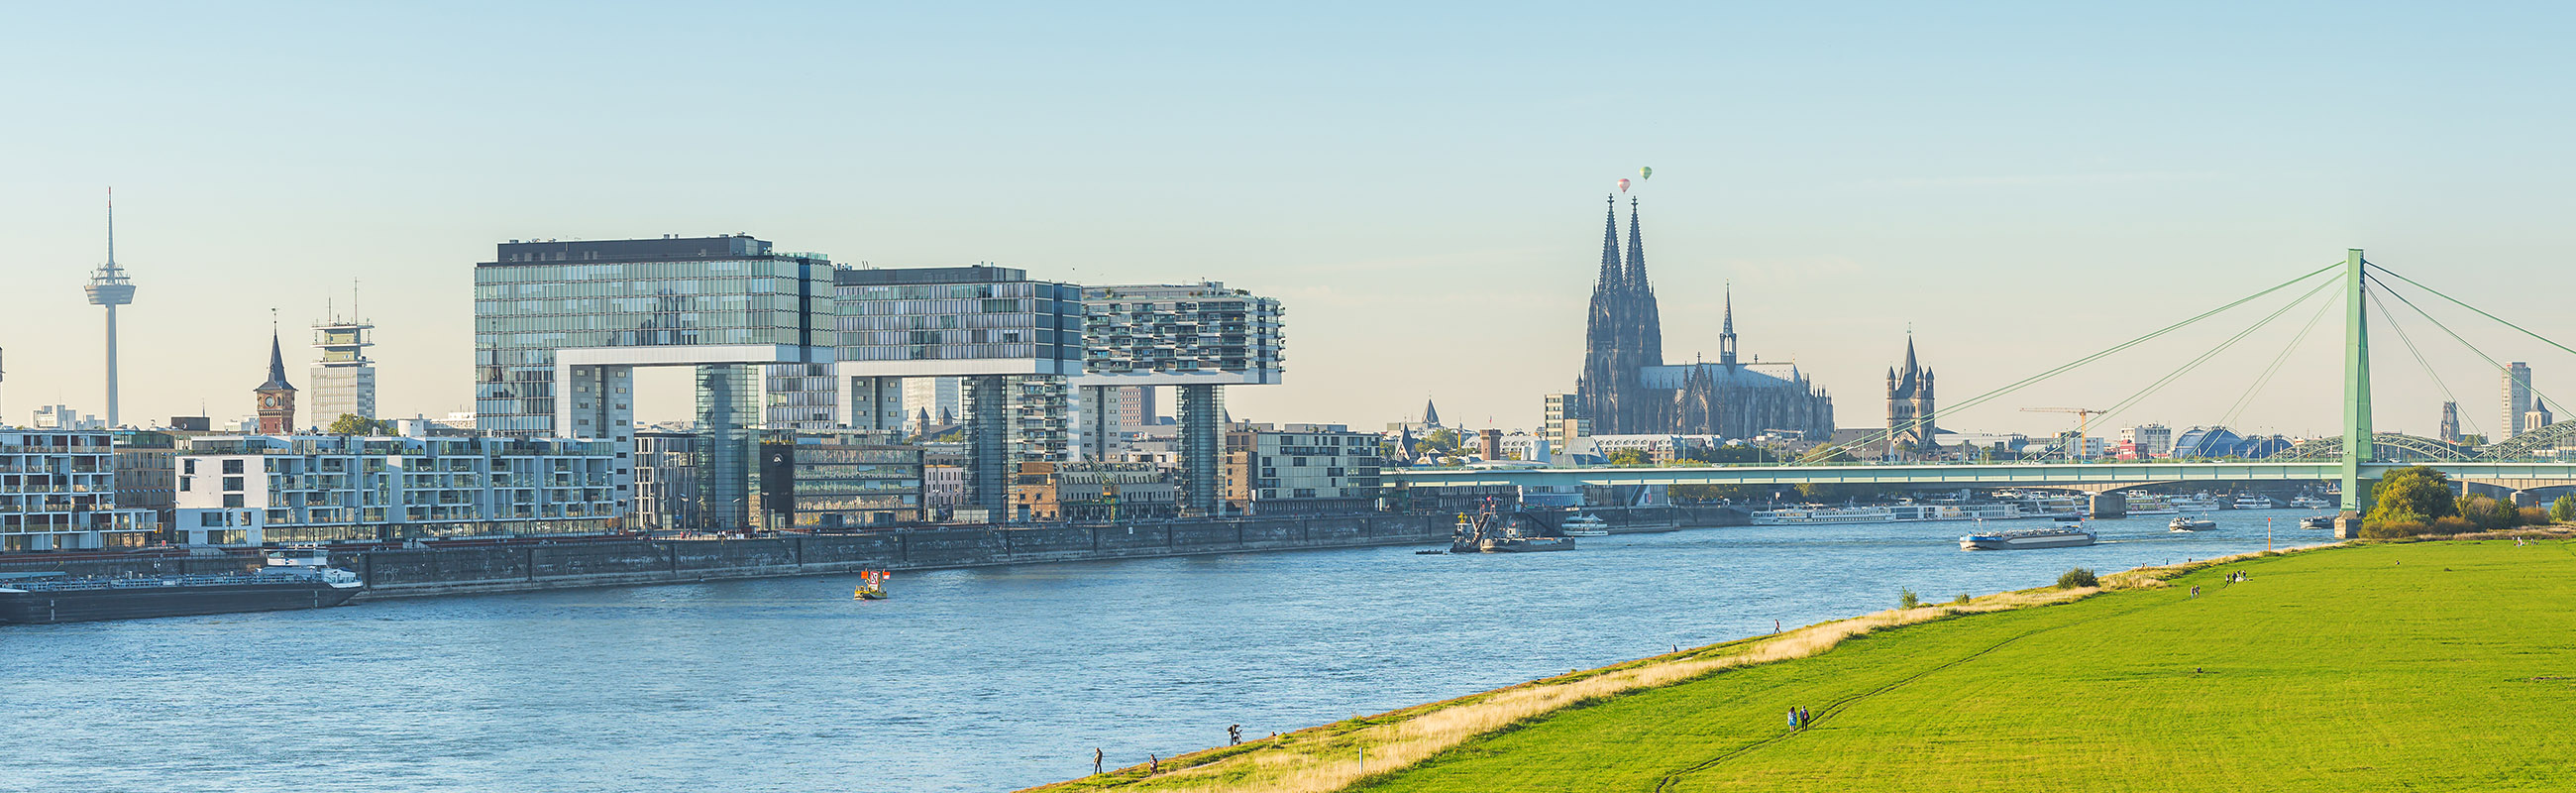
[2190, 523]
[1432, 552]
[2318, 522]
[872, 585]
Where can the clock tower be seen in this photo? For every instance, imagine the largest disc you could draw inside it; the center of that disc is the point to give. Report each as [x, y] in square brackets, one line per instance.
[276, 397]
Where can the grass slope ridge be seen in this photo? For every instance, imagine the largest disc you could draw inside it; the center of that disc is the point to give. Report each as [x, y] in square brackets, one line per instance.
[2426, 666]
[1329, 757]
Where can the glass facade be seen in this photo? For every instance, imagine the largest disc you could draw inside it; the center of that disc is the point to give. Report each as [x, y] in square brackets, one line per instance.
[956, 313]
[540, 297]
[1180, 329]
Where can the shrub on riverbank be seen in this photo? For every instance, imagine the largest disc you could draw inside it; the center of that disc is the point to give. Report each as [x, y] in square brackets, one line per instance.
[2077, 578]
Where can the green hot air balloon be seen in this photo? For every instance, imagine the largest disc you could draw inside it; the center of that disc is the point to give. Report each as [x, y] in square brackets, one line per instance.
[1645, 173]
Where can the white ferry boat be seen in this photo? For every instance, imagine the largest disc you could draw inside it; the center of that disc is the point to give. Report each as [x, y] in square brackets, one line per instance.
[2026, 539]
[2309, 501]
[1900, 513]
[1585, 526]
[2252, 501]
[2196, 502]
[2194, 523]
[2151, 505]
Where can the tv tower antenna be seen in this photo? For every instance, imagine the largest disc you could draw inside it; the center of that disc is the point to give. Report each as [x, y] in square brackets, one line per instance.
[109, 287]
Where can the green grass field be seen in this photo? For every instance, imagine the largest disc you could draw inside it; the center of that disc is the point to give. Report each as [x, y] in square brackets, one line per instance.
[2426, 666]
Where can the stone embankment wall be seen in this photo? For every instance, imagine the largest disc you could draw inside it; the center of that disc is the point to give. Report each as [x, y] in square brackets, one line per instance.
[525, 567]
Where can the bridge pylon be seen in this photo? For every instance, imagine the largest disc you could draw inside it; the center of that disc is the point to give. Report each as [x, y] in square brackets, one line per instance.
[2356, 396]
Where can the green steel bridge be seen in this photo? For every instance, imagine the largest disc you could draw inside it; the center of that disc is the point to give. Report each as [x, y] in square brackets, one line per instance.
[2528, 461]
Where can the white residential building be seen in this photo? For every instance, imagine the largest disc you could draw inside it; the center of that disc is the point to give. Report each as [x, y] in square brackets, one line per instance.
[58, 492]
[256, 489]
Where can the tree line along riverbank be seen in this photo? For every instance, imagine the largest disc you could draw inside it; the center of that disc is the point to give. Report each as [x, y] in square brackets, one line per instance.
[2428, 665]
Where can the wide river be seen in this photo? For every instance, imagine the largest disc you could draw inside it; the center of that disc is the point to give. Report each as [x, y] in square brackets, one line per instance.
[984, 679]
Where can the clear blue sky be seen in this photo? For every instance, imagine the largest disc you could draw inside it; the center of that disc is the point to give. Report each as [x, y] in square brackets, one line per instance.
[2019, 183]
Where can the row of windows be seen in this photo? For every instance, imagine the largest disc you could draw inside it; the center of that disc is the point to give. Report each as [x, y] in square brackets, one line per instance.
[655, 271]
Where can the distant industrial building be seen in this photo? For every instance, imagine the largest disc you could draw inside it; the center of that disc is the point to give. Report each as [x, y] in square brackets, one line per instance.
[63, 417]
[1299, 469]
[254, 489]
[58, 492]
[2146, 442]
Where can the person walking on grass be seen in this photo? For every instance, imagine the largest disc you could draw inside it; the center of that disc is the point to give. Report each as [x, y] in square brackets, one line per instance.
[1793, 718]
[1095, 760]
[1804, 719]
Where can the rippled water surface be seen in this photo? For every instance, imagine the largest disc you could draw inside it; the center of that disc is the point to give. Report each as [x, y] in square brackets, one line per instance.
[965, 680]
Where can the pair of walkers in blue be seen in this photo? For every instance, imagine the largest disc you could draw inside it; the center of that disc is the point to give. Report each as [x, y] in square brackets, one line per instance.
[1798, 718]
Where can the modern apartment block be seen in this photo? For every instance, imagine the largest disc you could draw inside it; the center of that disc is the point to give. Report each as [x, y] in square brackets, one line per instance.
[343, 378]
[837, 480]
[670, 492]
[1299, 469]
[1194, 337]
[1010, 340]
[58, 492]
[255, 489]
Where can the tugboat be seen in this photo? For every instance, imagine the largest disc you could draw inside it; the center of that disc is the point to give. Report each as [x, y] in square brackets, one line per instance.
[871, 586]
[1585, 526]
[1492, 532]
[296, 579]
[2190, 523]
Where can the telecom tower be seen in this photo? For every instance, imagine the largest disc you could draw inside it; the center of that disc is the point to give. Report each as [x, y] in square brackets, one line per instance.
[109, 287]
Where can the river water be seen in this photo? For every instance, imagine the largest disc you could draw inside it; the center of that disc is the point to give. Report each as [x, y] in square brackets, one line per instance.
[981, 679]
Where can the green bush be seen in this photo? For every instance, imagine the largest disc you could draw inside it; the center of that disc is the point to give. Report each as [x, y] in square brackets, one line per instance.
[2393, 529]
[1961, 600]
[2563, 510]
[2077, 578]
[1907, 599]
[2445, 527]
[2488, 514]
[2533, 516]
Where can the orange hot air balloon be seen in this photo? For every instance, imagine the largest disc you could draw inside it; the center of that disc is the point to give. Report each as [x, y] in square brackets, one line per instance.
[1623, 185]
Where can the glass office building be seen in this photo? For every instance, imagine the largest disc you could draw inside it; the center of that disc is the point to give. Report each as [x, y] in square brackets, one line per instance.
[1011, 340]
[538, 298]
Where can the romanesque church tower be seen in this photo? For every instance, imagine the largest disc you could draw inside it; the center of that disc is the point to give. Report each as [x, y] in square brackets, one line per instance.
[1909, 403]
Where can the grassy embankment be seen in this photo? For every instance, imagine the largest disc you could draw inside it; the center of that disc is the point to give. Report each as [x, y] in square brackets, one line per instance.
[2419, 666]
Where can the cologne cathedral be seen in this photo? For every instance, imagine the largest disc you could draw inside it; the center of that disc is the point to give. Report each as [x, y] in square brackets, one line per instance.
[1627, 389]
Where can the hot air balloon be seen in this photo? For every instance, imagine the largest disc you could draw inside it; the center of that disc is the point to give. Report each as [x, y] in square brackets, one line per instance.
[1623, 185]
[1645, 173]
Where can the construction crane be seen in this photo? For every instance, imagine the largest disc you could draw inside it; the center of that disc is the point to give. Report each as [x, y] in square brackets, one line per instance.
[2083, 421]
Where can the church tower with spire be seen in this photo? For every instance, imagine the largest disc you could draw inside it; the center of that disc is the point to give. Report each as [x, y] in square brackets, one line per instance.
[1626, 388]
[276, 397]
[1909, 403]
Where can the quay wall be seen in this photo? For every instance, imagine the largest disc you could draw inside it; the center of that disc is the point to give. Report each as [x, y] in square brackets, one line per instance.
[521, 567]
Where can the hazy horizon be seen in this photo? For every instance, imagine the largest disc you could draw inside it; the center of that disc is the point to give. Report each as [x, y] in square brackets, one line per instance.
[2019, 185]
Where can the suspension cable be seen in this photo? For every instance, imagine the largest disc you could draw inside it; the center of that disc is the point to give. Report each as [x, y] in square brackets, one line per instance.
[2455, 336]
[2170, 377]
[2269, 372]
[1882, 435]
[2420, 360]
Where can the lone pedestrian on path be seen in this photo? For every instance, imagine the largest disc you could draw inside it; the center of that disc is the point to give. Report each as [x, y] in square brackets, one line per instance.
[1234, 734]
[1095, 760]
[1153, 765]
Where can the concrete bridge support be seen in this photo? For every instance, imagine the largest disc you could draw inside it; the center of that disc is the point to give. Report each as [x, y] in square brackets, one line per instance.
[2110, 504]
